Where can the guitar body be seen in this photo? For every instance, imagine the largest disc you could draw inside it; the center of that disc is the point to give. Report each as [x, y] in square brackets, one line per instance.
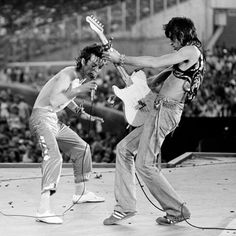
[133, 93]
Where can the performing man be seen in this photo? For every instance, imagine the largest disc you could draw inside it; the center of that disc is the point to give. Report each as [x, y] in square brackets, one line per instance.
[181, 82]
[60, 92]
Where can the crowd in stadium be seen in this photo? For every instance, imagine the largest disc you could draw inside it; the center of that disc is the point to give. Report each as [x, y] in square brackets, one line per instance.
[30, 30]
[216, 98]
[17, 144]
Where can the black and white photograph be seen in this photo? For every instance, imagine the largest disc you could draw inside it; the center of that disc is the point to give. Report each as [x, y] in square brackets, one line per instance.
[117, 117]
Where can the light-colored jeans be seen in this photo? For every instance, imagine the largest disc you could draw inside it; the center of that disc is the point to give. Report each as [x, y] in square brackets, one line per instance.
[54, 136]
[146, 141]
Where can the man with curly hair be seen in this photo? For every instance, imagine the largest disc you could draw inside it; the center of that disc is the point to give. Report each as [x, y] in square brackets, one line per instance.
[52, 135]
[177, 84]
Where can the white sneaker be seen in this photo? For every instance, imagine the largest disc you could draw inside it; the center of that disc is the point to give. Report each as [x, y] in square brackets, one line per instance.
[49, 218]
[88, 197]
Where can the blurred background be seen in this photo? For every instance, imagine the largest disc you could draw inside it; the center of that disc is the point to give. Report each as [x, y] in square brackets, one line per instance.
[38, 38]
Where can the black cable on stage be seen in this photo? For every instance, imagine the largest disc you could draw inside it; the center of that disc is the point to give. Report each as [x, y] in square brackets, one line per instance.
[182, 205]
[142, 186]
[73, 204]
[202, 227]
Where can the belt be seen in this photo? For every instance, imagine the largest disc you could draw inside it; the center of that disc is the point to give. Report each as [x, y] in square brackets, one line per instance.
[167, 103]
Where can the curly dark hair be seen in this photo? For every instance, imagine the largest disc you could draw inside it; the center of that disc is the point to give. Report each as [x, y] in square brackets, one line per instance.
[87, 52]
[182, 29]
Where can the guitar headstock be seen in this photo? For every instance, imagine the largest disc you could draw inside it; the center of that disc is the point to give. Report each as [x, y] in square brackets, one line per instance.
[95, 25]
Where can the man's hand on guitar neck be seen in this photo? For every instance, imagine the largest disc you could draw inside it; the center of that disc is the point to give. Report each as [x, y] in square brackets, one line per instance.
[112, 55]
[108, 45]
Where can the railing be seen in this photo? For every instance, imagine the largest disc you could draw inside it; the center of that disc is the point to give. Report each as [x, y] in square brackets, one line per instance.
[120, 17]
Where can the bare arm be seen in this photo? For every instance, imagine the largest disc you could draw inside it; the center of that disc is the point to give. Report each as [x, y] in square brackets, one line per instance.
[79, 109]
[76, 108]
[182, 55]
[64, 91]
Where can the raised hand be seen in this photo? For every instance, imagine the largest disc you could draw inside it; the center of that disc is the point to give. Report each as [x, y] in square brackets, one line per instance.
[112, 55]
[87, 87]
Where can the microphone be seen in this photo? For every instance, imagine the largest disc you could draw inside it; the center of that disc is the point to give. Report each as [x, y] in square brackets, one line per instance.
[93, 94]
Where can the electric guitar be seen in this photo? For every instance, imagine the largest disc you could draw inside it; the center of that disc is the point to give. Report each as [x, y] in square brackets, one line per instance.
[136, 95]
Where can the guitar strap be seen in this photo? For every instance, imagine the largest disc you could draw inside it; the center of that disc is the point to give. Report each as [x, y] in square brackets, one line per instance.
[158, 141]
[157, 121]
[156, 80]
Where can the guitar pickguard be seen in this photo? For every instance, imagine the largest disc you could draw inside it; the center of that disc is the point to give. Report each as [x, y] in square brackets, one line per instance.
[133, 93]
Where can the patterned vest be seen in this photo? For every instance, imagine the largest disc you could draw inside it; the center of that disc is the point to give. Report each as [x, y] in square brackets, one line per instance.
[193, 75]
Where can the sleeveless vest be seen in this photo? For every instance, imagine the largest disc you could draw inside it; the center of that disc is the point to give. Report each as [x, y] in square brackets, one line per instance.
[193, 75]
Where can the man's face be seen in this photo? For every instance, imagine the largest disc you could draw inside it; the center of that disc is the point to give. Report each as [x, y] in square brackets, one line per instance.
[175, 43]
[93, 66]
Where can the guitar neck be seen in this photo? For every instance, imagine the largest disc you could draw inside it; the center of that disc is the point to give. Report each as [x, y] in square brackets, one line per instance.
[121, 70]
[123, 74]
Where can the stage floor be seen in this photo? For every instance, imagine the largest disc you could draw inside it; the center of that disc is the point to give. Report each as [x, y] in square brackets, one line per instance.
[209, 190]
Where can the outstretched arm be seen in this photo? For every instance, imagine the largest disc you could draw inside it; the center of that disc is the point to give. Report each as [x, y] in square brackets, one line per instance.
[184, 54]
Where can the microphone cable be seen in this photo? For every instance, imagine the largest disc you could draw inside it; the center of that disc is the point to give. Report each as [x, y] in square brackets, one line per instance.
[89, 129]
